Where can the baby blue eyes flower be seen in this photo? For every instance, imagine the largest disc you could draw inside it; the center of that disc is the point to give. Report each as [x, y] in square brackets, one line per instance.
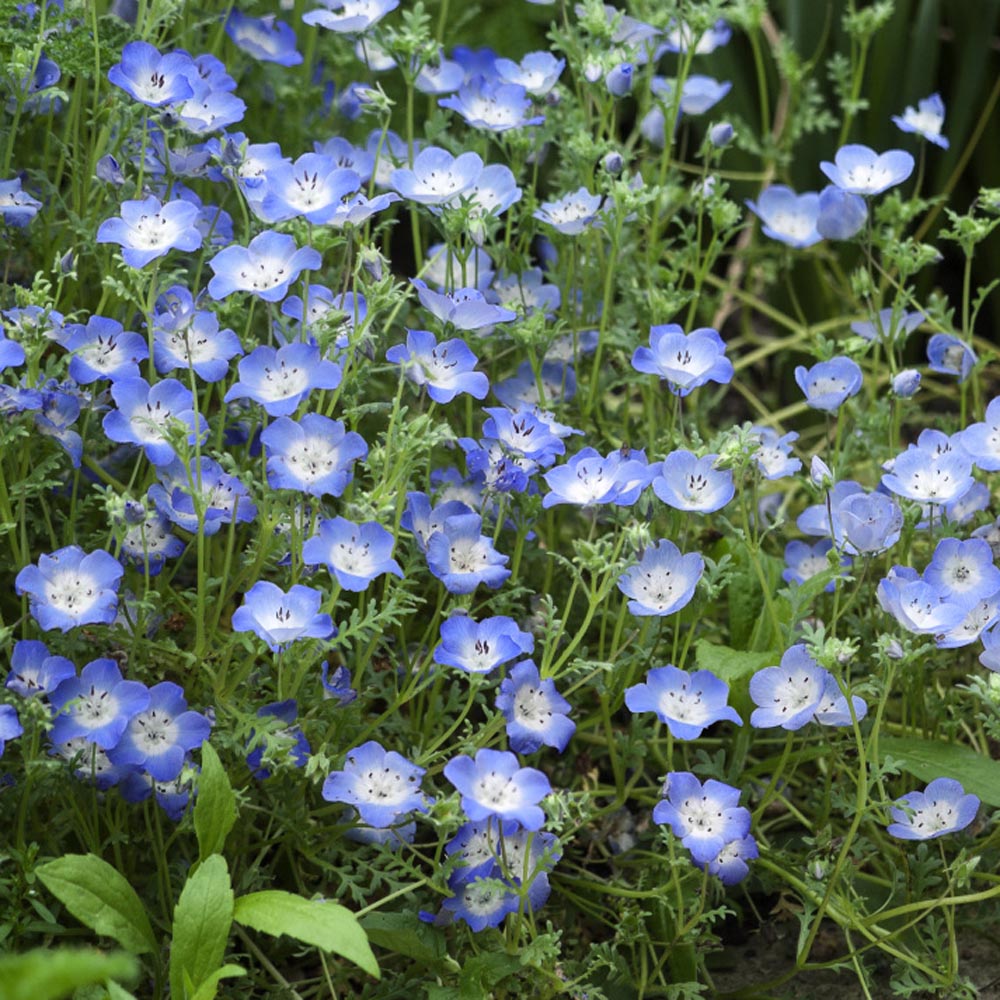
[963, 571]
[10, 725]
[149, 543]
[495, 785]
[536, 713]
[264, 38]
[147, 229]
[705, 817]
[279, 379]
[194, 341]
[349, 17]
[982, 440]
[804, 561]
[537, 72]
[680, 38]
[860, 170]
[828, 384]
[150, 78]
[774, 457]
[788, 217]
[103, 349]
[687, 703]
[788, 695]
[316, 455]
[222, 498]
[687, 482]
[572, 214]
[312, 187]
[619, 80]
[11, 352]
[888, 325]
[34, 671]
[436, 176]
[464, 309]
[730, 864]
[948, 355]
[289, 740]
[588, 479]
[663, 581]
[721, 135]
[280, 618]
[266, 267]
[17, 207]
[461, 557]
[941, 808]
[354, 553]
[97, 705]
[929, 476]
[926, 120]
[70, 587]
[492, 105]
[382, 785]
[684, 361]
[841, 215]
[479, 648]
[446, 369]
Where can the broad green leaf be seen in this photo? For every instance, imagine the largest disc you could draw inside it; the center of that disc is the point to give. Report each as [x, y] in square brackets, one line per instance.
[100, 897]
[325, 925]
[406, 934]
[51, 974]
[209, 987]
[731, 665]
[202, 921]
[215, 805]
[930, 759]
[482, 973]
[116, 992]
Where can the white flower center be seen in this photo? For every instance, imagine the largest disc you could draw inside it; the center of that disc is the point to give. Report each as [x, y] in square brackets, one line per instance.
[155, 732]
[69, 592]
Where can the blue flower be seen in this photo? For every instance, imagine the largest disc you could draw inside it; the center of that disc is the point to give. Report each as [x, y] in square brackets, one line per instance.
[34, 671]
[423, 520]
[382, 785]
[17, 207]
[860, 170]
[60, 410]
[70, 587]
[465, 308]
[312, 187]
[147, 413]
[618, 80]
[680, 37]
[494, 784]
[705, 817]
[949, 355]
[572, 214]
[841, 215]
[288, 739]
[684, 361]
[492, 105]
[222, 498]
[315, 455]
[786, 216]
[788, 695]
[442, 77]
[149, 543]
[917, 605]
[774, 457]
[482, 902]
[906, 383]
[861, 522]
[990, 656]
[926, 120]
[159, 737]
[151, 78]
[279, 617]
[663, 581]
[279, 379]
[337, 685]
[447, 369]
[321, 310]
[461, 557]
[687, 703]
[147, 229]
[10, 725]
[828, 384]
[982, 440]
[804, 561]
[527, 293]
[352, 17]
[103, 349]
[833, 709]
[436, 176]
[889, 325]
[266, 267]
[730, 864]
[354, 553]
[588, 479]
[264, 38]
[963, 571]
[537, 72]
[481, 647]
[941, 808]
[523, 433]
[137, 786]
[687, 482]
[536, 713]
[97, 705]
[194, 341]
[929, 476]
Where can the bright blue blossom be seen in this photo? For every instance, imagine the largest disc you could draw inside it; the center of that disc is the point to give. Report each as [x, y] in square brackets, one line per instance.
[104, 350]
[889, 325]
[149, 543]
[60, 410]
[349, 17]
[315, 455]
[860, 170]
[70, 587]
[266, 267]
[481, 647]
[982, 440]
[926, 120]
[147, 229]
[382, 785]
[941, 808]
[494, 784]
[963, 571]
[97, 705]
[442, 77]
[774, 457]
[423, 520]
[222, 497]
[313, 188]
[572, 214]
[523, 433]
[950, 355]
[917, 605]
[147, 413]
[527, 293]
[786, 216]
[804, 561]
[264, 38]
[482, 902]
[537, 72]
[436, 176]
[35, 671]
[619, 79]
[833, 709]
[536, 713]
[279, 379]
[684, 361]
[150, 78]
[861, 522]
[588, 479]
[194, 341]
[841, 215]
[465, 308]
[704, 817]
[279, 617]
[493, 105]
[828, 384]
[446, 369]
[287, 739]
[354, 553]
[687, 482]
[687, 703]
[788, 695]
[461, 557]
[10, 725]
[11, 352]
[17, 207]
[680, 37]
[663, 581]
[990, 656]
[930, 477]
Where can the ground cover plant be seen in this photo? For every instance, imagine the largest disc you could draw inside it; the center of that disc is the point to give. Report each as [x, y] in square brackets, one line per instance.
[497, 502]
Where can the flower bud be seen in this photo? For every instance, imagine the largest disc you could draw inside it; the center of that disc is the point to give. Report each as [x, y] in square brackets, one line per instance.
[819, 473]
[721, 134]
[619, 80]
[592, 72]
[613, 163]
[906, 383]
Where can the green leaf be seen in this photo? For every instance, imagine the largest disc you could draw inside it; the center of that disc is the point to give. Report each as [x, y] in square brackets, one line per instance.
[325, 925]
[406, 934]
[215, 805]
[98, 896]
[116, 992]
[202, 921]
[731, 665]
[483, 972]
[930, 759]
[50, 974]
[209, 987]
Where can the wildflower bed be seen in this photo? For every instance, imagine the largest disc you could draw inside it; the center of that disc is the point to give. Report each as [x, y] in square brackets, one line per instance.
[464, 538]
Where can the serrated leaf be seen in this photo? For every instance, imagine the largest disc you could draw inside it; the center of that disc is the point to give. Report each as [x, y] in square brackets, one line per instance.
[730, 665]
[406, 934]
[930, 759]
[325, 925]
[215, 805]
[202, 921]
[100, 897]
[50, 974]
[210, 986]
